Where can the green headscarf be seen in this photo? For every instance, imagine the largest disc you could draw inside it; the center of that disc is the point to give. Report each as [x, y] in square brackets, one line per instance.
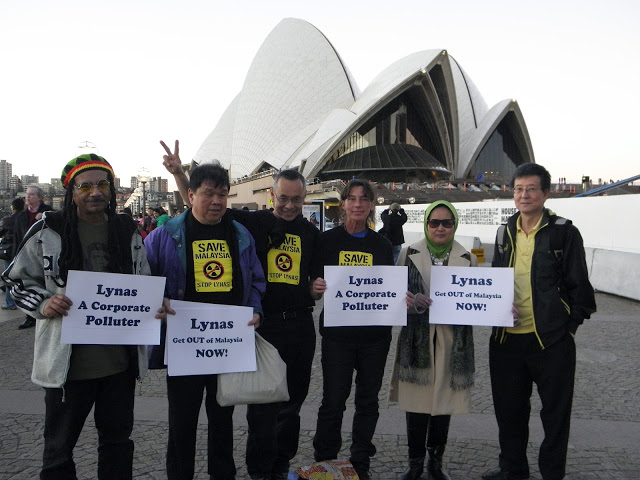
[439, 251]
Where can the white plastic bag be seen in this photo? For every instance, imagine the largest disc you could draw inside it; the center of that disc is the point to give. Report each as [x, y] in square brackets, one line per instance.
[268, 384]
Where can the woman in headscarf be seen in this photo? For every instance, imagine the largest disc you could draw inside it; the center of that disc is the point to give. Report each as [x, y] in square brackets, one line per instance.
[434, 367]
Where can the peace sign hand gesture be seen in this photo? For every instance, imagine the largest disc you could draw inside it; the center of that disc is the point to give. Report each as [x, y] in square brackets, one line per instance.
[172, 160]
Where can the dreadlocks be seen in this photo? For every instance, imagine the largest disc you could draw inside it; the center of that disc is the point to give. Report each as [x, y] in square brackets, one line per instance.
[71, 252]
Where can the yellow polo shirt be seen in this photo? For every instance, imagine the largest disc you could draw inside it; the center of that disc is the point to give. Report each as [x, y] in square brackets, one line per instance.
[525, 243]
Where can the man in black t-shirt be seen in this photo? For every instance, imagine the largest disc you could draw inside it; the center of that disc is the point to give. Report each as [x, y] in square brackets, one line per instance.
[232, 276]
[285, 243]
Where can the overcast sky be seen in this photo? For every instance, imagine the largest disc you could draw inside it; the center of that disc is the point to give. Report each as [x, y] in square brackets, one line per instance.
[126, 74]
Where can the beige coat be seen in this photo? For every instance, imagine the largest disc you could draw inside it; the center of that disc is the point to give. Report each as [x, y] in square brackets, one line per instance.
[437, 398]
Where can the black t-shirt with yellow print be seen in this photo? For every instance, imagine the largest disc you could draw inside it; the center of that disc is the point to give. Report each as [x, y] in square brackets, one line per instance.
[337, 247]
[285, 250]
[209, 264]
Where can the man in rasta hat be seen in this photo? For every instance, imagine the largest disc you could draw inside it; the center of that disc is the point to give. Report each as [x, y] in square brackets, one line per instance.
[79, 377]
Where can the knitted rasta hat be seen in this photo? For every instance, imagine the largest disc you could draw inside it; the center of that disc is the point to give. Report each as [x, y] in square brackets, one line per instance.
[89, 161]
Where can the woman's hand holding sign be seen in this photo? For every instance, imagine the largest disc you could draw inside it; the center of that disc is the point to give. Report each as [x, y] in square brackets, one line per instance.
[318, 287]
[418, 303]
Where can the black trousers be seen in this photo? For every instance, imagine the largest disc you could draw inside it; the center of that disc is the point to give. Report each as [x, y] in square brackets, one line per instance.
[424, 430]
[339, 360]
[185, 398]
[274, 429]
[66, 411]
[514, 366]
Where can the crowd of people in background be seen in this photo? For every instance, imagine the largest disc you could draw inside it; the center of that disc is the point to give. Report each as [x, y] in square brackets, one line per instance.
[433, 368]
[153, 217]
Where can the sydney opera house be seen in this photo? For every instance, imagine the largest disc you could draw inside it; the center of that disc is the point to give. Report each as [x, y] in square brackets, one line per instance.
[420, 120]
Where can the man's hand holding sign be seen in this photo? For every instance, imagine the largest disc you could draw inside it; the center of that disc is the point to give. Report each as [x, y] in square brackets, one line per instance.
[204, 339]
[109, 309]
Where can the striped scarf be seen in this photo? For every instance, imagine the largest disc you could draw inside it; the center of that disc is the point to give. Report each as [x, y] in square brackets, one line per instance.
[413, 358]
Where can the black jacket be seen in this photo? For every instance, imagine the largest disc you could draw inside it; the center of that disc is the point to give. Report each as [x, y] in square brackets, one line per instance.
[393, 220]
[561, 292]
[22, 226]
[7, 228]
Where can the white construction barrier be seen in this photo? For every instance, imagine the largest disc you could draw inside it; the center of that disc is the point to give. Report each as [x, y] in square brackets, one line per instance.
[614, 272]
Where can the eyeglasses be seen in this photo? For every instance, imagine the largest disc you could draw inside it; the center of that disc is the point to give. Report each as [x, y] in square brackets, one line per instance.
[529, 190]
[86, 187]
[295, 200]
[446, 223]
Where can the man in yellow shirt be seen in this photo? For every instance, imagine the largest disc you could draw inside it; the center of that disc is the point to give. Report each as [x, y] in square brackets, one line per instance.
[552, 298]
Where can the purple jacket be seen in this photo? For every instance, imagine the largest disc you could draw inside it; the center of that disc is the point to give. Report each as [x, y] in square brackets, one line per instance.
[167, 256]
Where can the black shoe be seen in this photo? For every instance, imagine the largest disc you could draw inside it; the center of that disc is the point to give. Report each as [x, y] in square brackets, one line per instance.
[416, 467]
[6, 307]
[362, 469]
[28, 323]
[364, 475]
[434, 464]
[504, 475]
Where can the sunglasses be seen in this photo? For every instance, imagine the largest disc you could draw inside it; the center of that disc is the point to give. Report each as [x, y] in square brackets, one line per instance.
[86, 187]
[447, 223]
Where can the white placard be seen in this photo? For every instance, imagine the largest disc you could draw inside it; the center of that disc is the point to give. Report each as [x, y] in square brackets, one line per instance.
[471, 296]
[112, 309]
[204, 338]
[359, 296]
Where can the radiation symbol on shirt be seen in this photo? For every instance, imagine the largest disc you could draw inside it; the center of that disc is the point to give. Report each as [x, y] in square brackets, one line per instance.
[284, 262]
[213, 270]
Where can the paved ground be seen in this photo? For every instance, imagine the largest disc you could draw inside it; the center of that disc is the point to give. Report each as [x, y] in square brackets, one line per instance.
[604, 444]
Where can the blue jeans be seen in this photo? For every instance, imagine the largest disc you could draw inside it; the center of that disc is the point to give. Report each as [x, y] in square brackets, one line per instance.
[66, 411]
[8, 298]
[396, 252]
[339, 360]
